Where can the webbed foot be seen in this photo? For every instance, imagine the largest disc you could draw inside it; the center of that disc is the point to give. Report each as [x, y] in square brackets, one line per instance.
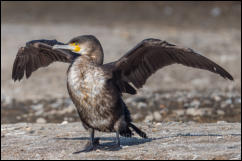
[90, 146]
[113, 147]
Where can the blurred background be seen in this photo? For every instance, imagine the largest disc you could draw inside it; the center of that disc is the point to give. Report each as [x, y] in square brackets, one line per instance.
[174, 93]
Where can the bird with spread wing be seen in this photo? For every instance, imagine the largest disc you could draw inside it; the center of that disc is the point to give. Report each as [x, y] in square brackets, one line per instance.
[96, 88]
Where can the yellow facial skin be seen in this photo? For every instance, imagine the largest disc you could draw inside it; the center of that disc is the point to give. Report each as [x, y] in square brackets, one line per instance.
[77, 46]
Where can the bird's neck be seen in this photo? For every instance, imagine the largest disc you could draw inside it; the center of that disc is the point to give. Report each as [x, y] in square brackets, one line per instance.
[84, 61]
[96, 57]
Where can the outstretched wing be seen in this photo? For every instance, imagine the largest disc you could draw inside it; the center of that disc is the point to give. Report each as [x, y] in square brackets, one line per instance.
[152, 54]
[36, 54]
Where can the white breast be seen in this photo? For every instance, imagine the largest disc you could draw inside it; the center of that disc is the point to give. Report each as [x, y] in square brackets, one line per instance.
[86, 82]
[94, 80]
[74, 78]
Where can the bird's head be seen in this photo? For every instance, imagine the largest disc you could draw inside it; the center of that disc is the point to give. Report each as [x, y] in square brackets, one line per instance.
[84, 45]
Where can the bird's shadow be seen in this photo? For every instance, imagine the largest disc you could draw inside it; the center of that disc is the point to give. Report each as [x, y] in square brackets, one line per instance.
[136, 141]
[123, 140]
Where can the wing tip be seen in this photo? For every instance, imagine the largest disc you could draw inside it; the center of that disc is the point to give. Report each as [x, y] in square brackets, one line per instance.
[230, 77]
[15, 78]
[226, 74]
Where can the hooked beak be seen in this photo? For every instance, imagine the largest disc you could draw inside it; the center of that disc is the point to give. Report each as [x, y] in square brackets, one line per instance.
[68, 47]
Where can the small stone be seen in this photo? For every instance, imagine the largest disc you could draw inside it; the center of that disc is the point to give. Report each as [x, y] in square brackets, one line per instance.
[18, 117]
[158, 124]
[57, 104]
[195, 103]
[6, 99]
[217, 98]
[148, 118]
[141, 105]
[124, 146]
[220, 112]
[66, 110]
[40, 120]
[38, 107]
[129, 100]
[64, 122]
[67, 101]
[137, 116]
[181, 99]
[228, 101]
[199, 112]
[39, 113]
[219, 137]
[157, 116]
[42, 128]
[221, 122]
[29, 130]
[179, 112]
[154, 129]
[223, 105]
[164, 111]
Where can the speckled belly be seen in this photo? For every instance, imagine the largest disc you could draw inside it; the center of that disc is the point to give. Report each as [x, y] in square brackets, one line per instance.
[94, 100]
[88, 85]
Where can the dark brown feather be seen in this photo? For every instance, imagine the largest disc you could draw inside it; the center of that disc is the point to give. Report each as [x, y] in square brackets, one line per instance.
[36, 54]
[152, 54]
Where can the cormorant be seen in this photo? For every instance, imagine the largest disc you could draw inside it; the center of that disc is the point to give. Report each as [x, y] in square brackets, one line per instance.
[96, 88]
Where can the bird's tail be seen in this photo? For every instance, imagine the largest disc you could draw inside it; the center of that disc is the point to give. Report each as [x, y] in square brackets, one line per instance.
[138, 131]
[127, 132]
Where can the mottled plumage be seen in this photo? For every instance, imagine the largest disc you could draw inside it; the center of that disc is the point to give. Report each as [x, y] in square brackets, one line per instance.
[96, 88]
[86, 84]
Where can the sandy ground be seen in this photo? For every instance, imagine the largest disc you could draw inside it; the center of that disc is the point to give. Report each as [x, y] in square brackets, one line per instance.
[173, 140]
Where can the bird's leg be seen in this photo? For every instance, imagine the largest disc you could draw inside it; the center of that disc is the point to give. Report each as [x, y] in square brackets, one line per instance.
[115, 146]
[91, 144]
[117, 139]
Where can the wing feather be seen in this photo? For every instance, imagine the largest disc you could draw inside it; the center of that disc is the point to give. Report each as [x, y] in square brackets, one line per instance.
[152, 54]
[36, 54]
